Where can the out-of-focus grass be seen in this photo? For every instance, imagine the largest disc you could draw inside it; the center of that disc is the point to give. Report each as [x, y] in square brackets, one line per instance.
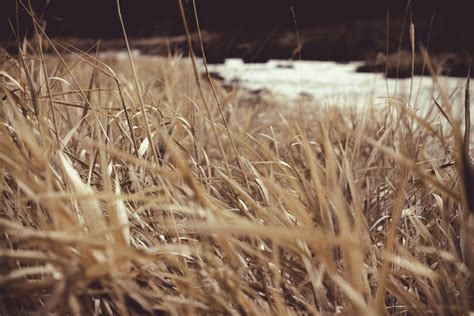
[311, 210]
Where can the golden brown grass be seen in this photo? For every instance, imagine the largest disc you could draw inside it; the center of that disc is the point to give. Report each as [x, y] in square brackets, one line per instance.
[289, 210]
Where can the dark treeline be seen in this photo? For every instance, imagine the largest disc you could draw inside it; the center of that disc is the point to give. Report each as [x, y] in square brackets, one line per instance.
[145, 18]
[98, 18]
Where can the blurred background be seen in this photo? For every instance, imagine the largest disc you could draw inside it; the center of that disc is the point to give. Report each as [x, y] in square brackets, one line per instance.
[92, 18]
[259, 30]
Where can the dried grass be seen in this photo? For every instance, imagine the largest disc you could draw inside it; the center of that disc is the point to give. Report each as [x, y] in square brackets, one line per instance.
[313, 211]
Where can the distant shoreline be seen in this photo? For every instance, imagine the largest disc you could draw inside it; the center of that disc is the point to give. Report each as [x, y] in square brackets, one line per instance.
[355, 41]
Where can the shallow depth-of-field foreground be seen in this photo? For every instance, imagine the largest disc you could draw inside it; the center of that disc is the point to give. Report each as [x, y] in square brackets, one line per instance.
[137, 192]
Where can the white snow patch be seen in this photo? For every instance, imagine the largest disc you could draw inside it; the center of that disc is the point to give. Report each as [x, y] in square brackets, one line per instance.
[334, 83]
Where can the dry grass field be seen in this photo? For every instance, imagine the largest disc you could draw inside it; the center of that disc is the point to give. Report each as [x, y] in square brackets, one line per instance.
[147, 190]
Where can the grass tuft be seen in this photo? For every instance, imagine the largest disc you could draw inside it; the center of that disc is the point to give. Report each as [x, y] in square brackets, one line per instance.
[183, 204]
